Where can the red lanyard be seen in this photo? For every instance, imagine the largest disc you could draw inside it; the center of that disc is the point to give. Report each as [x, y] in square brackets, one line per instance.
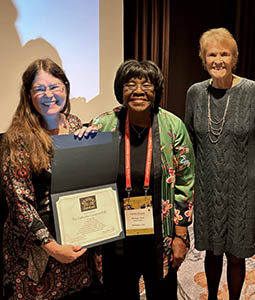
[127, 159]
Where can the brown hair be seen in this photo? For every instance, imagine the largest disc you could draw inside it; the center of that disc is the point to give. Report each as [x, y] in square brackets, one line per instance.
[27, 131]
[221, 35]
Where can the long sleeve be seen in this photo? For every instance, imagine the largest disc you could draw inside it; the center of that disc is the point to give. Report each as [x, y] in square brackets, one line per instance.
[184, 176]
[20, 197]
[189, 117]
[178, 164]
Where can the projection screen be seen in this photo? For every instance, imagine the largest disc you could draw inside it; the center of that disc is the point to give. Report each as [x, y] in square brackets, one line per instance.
[85, 37]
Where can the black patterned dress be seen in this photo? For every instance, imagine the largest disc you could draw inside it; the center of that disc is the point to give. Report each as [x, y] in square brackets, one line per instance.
[224, 204]
[29, 273]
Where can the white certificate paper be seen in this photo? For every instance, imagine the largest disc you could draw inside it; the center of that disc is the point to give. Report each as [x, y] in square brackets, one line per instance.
[90, 217]
[83, 189]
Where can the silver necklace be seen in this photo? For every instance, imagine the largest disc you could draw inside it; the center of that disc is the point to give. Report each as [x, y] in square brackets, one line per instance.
[139, 133]
[215, 128]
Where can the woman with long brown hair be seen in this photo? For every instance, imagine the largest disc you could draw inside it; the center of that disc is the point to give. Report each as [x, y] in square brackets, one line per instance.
[35, 265]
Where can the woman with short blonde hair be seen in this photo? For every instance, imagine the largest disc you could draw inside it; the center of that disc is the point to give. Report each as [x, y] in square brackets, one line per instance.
[220, 119]
[219, 35]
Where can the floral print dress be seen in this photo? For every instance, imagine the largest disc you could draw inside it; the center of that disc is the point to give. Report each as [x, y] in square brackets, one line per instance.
[29, 273]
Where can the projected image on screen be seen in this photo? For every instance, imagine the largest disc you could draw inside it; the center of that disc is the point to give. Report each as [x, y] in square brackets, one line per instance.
[71, 28]
[85, 37]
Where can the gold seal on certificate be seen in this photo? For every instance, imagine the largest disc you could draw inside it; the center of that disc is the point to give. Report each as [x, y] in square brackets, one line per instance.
[89, 217]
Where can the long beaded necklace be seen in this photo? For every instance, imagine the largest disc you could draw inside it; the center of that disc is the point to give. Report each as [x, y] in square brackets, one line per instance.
[213, 132]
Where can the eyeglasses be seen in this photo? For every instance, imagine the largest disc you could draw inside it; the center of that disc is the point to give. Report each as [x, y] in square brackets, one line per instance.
[41, 90]
[146, 86]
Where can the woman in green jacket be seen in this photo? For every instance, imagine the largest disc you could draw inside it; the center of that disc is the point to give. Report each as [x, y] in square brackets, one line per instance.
[156, 173]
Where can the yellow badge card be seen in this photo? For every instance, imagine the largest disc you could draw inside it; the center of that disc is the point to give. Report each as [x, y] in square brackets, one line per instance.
[138, 215]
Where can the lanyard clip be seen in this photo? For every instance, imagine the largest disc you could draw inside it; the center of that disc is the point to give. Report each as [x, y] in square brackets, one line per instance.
[128, 190]
[146, 188]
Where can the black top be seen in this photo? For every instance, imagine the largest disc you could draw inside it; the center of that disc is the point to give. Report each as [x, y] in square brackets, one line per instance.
[143, 247]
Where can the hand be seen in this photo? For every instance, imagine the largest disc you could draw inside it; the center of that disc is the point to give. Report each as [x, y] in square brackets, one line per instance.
[63, 253]
[179, 251]
[86, 132]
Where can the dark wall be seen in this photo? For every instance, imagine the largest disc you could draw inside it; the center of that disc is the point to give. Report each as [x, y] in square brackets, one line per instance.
[189, 19]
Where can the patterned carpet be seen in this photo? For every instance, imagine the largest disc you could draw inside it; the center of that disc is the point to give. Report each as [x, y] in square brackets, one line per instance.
[192, 280]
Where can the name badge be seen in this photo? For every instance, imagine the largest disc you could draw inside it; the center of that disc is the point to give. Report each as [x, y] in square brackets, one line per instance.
[138, 215]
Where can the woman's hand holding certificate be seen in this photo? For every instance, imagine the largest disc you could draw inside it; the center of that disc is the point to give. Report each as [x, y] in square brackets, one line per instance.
[63, 253]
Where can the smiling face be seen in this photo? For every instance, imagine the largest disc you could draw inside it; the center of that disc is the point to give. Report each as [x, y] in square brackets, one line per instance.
[219, 60]
[138, 94]
[48, 94]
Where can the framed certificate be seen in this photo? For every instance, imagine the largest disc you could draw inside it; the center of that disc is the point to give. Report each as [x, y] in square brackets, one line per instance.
[88, 217]
[84, 191]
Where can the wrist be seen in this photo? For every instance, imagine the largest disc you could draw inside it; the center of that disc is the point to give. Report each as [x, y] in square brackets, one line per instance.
[52, 247]
[180, 230]
[184, 237]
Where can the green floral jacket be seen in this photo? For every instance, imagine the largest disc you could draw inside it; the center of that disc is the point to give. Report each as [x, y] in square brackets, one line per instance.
[174, 158]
